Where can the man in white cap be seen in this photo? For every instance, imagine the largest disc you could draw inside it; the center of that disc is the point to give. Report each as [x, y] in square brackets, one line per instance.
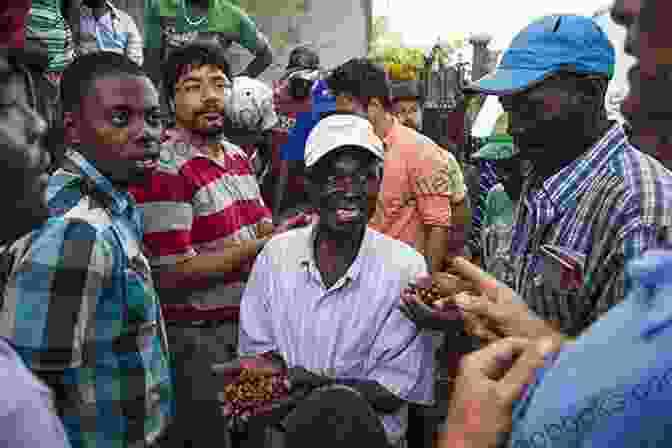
[325, 297]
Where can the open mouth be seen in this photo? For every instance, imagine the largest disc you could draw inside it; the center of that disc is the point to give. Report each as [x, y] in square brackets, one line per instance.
[148, 163]
[347, 215]
[213, 118]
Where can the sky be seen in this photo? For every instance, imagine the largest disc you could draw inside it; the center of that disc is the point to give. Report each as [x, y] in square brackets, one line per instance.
[421, 21]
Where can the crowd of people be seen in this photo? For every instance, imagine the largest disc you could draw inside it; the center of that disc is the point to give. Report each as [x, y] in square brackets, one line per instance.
[165, 221]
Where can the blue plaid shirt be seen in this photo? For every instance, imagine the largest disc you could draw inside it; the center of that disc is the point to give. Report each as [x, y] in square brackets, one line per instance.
[487, 180]
[608, 207]
[80, 308]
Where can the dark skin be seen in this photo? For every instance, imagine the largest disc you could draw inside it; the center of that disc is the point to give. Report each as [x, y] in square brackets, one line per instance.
[117, 128]
[556, 121]
[343, 184]
[510, 174]
[24, 160]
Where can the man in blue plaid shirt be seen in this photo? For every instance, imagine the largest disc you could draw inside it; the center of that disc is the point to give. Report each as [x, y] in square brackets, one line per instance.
[79, 303]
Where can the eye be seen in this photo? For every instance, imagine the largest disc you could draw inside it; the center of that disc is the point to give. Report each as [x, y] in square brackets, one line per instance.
[154, 118]
[192, 88]
[120, 118]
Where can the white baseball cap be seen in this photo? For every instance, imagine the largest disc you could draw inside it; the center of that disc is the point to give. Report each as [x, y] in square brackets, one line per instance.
[336, 131]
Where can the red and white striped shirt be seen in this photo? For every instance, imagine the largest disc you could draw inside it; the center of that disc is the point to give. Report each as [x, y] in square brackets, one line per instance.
[194, 203]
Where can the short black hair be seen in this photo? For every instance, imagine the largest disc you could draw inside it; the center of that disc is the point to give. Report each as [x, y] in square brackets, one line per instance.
[78, 77]
[195, 54]
[362, 79]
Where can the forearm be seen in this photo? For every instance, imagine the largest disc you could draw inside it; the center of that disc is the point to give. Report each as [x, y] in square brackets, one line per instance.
[280, 188]
[228, 260]
[438, 238]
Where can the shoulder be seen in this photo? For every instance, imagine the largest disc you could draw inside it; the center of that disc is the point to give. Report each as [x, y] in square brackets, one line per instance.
[288, 245]
[395, 255]
[645, 182]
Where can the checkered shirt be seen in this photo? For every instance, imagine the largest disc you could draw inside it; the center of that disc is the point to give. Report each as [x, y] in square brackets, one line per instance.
[81, 310]
[609, 205]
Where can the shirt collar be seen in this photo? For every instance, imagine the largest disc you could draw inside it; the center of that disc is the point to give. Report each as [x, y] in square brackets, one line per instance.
[118, 202]
[196, 145]
[307, 257]
[566, 185]
[86, 11]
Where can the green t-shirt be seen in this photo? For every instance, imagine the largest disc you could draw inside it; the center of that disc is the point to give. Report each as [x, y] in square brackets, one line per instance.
[496, 232]
[225, 18]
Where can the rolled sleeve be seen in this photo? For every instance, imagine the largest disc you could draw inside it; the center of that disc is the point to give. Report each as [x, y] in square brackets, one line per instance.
[256, 324]
[53, 294]
[402, 358]
[438, 184]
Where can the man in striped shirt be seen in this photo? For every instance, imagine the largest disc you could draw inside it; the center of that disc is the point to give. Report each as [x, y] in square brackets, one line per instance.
[205, 222]
[593, 201]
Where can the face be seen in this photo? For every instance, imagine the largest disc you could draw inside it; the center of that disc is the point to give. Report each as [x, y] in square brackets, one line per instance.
[510, 174]
[118, 128]
[647, 106]
[553, 111]
[408, 113]
[341, 193]
[199, 100]
[24, 161]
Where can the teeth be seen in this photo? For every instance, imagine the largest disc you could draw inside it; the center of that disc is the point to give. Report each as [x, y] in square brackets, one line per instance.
[343, 214]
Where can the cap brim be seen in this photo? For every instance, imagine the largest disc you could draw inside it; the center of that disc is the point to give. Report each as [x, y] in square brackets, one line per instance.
[507, 81]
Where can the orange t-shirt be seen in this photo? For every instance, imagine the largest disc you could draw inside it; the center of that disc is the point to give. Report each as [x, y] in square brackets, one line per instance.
[421, 182]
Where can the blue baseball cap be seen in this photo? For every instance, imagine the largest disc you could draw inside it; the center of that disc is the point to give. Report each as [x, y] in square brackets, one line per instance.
[323, 100]
[547, 46]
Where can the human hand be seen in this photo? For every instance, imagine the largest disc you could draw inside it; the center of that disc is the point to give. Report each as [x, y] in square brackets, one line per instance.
[442, 317]
[489, 382]
[449, 284]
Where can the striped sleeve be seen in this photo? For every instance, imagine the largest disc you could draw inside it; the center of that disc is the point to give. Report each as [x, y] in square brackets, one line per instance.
[168, 213]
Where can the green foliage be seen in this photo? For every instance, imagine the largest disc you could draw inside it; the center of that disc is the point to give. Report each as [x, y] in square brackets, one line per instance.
[271, 8]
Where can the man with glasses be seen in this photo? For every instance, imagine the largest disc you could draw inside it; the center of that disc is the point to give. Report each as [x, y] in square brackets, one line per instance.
[204, 223]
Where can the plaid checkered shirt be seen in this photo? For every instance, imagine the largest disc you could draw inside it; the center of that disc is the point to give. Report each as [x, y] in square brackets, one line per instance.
[609, 206]
[81, 310]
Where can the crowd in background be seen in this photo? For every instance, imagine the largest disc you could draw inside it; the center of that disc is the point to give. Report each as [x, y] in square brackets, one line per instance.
[169, 216]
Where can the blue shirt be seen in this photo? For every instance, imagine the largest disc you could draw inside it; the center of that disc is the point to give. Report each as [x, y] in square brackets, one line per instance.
[27, 416]
[353, 330]
[81, 309]
[612, 387]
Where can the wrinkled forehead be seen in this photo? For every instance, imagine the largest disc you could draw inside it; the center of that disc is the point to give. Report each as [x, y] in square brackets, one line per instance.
[130, 91]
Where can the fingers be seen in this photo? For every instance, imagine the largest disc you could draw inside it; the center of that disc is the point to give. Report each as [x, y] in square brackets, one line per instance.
[495, 359]
[522, 371]
[484, 282]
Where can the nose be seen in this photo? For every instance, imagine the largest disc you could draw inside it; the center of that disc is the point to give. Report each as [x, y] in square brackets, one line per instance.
[36, 126]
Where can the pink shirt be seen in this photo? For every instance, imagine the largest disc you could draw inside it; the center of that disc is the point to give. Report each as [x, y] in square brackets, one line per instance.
[421, 182]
